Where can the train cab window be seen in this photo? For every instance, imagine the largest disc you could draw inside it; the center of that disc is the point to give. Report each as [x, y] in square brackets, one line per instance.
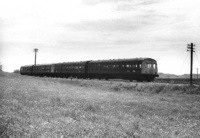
[148, 65]
[154, 66]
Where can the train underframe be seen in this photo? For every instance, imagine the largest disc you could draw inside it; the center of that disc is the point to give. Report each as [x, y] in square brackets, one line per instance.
[137, 77]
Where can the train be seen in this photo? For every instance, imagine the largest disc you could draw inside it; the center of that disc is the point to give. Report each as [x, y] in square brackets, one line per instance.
[139, 69]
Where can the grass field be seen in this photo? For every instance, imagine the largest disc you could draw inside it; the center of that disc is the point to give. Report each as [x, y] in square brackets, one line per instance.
[32, 107]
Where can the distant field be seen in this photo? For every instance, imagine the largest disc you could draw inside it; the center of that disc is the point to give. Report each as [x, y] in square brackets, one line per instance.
[62, 108]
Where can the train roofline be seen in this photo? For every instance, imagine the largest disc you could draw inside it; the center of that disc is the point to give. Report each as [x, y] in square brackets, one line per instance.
[93, 61]
[78, 62]
[117, 60]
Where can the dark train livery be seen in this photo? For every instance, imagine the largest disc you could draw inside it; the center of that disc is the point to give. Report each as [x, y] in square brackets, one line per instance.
[140, 69]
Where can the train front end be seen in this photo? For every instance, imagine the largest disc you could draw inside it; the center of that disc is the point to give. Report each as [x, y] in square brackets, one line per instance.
[149, 70]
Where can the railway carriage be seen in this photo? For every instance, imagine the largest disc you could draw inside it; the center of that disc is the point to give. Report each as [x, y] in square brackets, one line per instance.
[42, 70]
[71, 69]
[26, 70]
[132, 69]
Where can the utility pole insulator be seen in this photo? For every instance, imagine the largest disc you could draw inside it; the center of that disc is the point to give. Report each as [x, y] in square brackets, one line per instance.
[190, 47]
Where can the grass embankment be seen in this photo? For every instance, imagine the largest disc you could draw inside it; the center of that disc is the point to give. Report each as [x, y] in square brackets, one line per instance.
[45, 107]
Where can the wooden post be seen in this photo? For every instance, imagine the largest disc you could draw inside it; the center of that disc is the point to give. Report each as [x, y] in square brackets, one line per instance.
[35, 50]
[190, 48]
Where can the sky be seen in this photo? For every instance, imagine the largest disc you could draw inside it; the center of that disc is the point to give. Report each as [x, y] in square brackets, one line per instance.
[79, 30]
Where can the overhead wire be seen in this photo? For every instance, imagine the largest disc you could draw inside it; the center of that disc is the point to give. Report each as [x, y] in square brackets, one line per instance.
[183, 64]
[188, 67]
[197, 58]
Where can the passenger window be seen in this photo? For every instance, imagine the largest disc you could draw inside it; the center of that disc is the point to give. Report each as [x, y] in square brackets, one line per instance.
[140, 65]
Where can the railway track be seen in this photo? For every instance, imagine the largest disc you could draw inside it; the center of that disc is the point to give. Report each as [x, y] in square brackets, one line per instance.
[177, 80]
[165, 80]
[157, 80]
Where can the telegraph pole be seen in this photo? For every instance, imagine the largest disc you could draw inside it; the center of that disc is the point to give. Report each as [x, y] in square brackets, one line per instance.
[0, 66]
[35, 50]
[190, 47]
[197, 73]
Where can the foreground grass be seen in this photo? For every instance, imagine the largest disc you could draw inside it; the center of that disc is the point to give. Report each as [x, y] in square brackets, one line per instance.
[45, 107]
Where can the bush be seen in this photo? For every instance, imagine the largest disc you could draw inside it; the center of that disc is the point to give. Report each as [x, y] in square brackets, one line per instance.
[16, 71]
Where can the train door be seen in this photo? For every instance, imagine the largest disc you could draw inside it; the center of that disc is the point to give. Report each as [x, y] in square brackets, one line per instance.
[86, 69]
[32, 70]
[52, 68]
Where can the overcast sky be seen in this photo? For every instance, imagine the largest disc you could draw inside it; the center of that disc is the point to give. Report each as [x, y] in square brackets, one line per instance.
[78, 30]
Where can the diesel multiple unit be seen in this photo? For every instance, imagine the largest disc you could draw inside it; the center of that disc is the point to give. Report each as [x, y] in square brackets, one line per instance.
[140, 69]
